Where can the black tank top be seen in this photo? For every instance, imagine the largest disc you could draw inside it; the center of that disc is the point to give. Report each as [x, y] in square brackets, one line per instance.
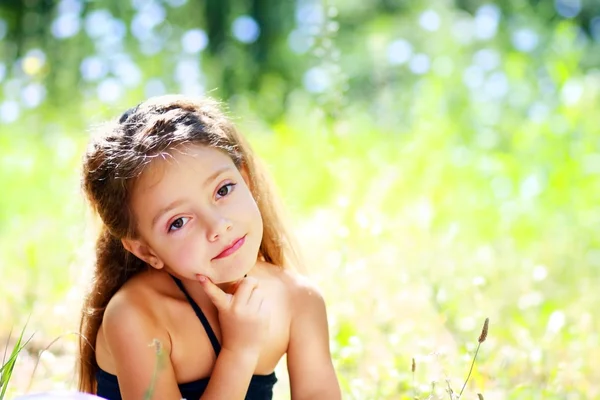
[260, 388]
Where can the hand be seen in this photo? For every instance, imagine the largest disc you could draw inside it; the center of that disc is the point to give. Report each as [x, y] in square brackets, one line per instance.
[243, 316]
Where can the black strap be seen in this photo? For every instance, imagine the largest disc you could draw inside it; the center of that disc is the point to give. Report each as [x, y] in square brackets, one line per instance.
[211, 334]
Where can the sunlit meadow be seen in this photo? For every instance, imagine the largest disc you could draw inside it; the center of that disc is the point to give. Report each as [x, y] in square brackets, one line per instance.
[439, 168]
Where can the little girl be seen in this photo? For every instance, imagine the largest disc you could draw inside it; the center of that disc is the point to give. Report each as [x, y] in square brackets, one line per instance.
[192, 294]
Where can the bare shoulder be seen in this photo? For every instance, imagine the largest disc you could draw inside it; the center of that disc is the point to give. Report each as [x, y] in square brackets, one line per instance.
[134, 310]
[300, 289]
[309, 362]
[133, 296]
[138, 340]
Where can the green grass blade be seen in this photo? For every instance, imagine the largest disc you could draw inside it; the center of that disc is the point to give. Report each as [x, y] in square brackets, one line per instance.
[7, 368]
[6, 349]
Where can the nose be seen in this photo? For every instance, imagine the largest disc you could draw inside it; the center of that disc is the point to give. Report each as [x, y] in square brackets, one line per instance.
[217, 226]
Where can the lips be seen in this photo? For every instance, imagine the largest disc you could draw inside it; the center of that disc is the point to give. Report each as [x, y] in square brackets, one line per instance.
[232, 248]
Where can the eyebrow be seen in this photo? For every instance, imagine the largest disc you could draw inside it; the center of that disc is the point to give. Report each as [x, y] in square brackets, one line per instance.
[177, 202]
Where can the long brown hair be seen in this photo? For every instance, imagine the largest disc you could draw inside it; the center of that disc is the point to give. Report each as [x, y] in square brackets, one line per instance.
[110, 167]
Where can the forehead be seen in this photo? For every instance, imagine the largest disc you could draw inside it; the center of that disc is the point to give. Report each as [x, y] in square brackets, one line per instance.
[184, 162]
[169, 176]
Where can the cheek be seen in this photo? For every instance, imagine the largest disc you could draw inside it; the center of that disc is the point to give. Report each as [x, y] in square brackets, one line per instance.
[255, 223]
[258, 222]
[185, 256]
[251, 213]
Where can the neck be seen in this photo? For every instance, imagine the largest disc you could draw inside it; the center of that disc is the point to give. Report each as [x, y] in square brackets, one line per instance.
[230, 287]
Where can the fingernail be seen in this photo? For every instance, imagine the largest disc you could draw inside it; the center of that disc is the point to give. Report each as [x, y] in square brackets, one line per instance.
[201, 278]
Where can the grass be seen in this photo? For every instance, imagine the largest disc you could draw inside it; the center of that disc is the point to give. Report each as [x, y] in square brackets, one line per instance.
[7, 366]
[423, 210]
[415, 227]
[410, 245]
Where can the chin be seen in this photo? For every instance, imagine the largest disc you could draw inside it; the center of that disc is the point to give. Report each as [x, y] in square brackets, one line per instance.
[237, 272]
[233, 271]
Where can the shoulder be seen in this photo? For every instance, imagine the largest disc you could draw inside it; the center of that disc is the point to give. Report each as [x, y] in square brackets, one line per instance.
[309, 362]
[302, 292]
[307, 299]
[134, 311]
[138, 341]
[134, 297]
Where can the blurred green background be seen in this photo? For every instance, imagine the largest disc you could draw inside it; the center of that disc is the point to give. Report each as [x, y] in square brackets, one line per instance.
[440, 161]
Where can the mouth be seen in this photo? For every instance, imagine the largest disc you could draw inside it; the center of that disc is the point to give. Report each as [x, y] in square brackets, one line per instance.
[232, 248]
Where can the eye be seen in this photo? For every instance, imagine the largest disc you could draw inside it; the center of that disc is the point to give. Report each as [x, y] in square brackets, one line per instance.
[178, 224]
[225, 189]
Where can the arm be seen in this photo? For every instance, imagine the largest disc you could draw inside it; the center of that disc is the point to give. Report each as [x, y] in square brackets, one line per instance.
[132, 336]
[312, 375]
[244, 320]
[231, 376]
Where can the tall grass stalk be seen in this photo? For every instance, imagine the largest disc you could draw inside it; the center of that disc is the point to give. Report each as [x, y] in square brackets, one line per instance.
[8, 366]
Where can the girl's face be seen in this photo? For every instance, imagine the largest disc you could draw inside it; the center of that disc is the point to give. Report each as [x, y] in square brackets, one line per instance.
[196, 215]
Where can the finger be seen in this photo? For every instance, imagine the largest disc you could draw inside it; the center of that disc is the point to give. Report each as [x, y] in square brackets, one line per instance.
[219, 298]
[245, 289]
